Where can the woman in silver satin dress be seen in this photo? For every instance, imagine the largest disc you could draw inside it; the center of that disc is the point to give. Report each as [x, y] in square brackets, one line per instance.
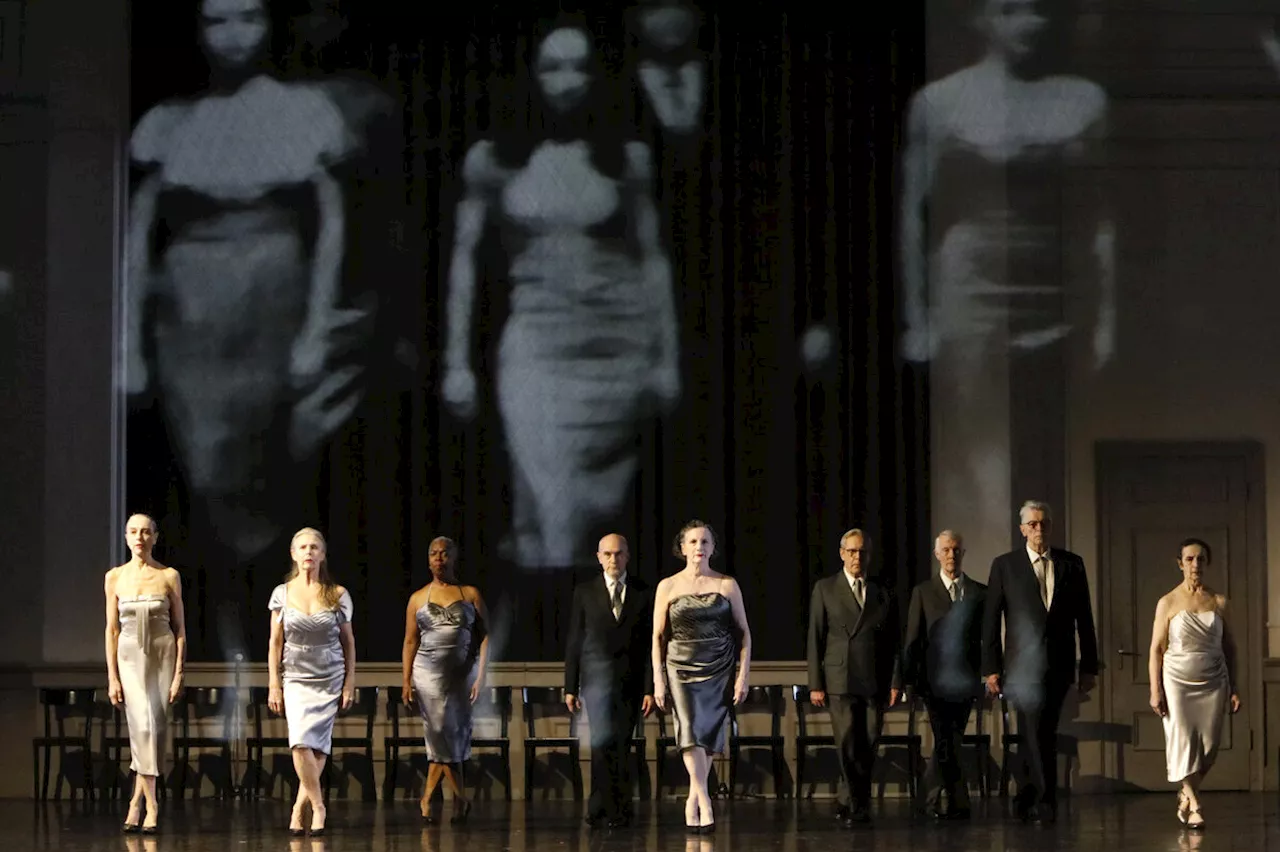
[1193, 675]
[446, 648]
[146, 647]
[312, 667]
[698, 623]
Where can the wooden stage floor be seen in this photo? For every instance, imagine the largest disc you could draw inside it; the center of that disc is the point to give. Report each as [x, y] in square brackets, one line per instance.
[1132, 823]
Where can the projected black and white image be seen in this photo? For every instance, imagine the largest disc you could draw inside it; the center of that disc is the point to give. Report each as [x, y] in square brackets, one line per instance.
[991, 293]
[236, 319]
[590, 347]
[670, 68]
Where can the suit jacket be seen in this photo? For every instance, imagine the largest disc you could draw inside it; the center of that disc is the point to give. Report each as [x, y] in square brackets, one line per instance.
[942, 652]
[1039, 646]
[604, 653]
[852, 651]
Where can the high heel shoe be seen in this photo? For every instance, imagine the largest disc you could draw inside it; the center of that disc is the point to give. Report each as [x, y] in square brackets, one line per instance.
[1195, 820]
[318, 815]
[1184, 807]
[131, 827]
[709, 828]
[296, 816]
[460, 816]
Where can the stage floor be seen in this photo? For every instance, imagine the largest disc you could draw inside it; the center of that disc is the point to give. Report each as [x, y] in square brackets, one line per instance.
[1133, 823]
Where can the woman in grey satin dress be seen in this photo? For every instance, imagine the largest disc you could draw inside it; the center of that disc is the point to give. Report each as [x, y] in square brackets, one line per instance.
[146, 647]
[312, 667]
[698, 622]
[1193, 676]
[446, 648]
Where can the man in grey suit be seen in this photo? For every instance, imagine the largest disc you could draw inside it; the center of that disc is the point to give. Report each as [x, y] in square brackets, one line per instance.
[853, 653]
[941, 661]
[1041, 595]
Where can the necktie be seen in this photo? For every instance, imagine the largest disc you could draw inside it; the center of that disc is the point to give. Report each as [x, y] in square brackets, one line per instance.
[1043, 579]
[954, 591]
[617, 601]
[858, 593]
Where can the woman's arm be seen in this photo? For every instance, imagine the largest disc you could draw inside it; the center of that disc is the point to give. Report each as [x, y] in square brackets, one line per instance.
[482, 661]
[410, 649]
[347, 639]
[655, 265]
[744, 640]
[459, 387]
[917, 177]
[142, 223]
[275, 651]
[659, 651]
[1229, 652]
[178, 624]
[1155, 660]
[114, 690]
[326, 267]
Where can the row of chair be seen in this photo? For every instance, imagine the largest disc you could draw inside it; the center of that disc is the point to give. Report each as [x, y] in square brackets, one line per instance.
[213, 718]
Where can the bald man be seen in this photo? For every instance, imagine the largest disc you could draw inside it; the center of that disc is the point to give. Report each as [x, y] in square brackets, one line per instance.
[608, 667]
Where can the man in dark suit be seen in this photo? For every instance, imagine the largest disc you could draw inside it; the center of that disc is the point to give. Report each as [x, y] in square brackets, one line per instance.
[608, 659]
[1042, 594]
[853, 645]
[941, 662]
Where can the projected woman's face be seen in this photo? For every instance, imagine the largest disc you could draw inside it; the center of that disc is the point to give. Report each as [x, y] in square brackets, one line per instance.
[1016, 28]
[666, 26]
[561, 68]
[234, 31]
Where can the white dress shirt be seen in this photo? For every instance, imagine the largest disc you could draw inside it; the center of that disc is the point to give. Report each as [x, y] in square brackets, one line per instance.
[1046, 569]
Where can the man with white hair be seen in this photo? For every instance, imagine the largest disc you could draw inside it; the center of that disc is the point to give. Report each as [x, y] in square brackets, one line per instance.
[941, 661]
[1042, 594]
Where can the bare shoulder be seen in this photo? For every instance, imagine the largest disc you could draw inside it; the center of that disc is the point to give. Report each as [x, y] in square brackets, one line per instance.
[664, 586]
[109, 579]
[471, 593]
[172, 577]
[1220, 601]
[480, 165]
[341, 590]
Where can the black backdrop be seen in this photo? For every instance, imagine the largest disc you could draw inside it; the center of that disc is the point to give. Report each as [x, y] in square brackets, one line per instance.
[780, 218]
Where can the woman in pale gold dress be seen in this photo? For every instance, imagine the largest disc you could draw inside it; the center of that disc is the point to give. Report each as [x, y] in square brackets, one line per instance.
[146, 647]
[1193, 676]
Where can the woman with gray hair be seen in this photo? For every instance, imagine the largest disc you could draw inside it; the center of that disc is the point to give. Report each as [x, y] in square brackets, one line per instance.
[446, 648]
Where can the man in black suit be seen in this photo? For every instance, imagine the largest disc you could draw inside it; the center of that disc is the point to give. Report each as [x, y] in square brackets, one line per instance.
[853, 651]
[941, 661]
[1042, 593]
[610, 631]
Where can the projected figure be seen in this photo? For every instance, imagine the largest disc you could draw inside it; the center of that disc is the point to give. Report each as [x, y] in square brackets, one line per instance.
[986, 265]
[591, 341]
[235, 251]
[671, 71]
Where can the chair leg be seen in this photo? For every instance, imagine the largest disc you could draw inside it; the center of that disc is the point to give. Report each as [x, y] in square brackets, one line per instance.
[735, 752]
[506, 769]
[775, 754]
[530, 755]
[800, 755]
[575, 757]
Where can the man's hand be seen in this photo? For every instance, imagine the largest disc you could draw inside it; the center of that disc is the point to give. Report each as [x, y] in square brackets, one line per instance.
[572, 703]
[894, 695]
[1235, 703]
[647, 705]
[818, 697]
[993, 685]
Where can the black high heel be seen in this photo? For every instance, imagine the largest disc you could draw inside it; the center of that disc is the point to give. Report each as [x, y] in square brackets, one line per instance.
[130, 828]
[151, 830]
[461, 816]
[707, 829]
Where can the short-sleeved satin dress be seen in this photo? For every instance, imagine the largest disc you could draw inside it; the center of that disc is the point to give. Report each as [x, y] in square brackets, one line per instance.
[313, 670]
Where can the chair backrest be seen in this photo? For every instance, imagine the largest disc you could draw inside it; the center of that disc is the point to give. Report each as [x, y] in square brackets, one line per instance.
[761, 699]
[545, 702]
[62, 705]
[364, 705]
[800, 695]
[494, 705]
[201, 703]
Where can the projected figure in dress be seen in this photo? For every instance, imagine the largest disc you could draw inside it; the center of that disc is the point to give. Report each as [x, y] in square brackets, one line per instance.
[670, 69]
[590, 345]
[235, 253]
[991, 277]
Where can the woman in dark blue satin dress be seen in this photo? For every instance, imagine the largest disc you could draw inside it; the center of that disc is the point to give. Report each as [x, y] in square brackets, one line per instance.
[446, 648]
[698, 623]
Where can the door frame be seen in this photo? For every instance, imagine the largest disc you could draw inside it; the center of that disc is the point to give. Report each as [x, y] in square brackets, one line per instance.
[1250, 659]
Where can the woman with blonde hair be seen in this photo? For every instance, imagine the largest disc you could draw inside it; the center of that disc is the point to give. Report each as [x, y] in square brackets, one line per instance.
[312, 666]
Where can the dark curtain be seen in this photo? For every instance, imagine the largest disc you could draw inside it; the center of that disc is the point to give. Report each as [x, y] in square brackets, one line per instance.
[796, 420]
